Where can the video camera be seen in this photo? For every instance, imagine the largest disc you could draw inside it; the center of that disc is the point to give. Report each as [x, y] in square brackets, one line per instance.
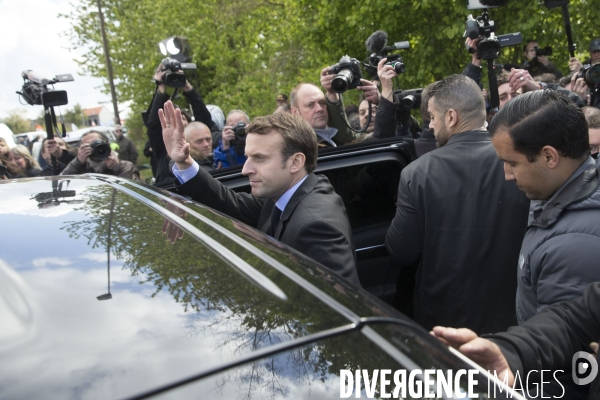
[172, 77]
[378, 49]
[36, 92]
[488, 45]
[348, 74]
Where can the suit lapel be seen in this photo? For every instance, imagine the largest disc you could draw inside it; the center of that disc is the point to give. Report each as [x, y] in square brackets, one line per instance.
[303, 190]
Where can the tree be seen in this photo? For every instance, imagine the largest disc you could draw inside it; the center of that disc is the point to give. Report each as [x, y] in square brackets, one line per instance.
[17, 121]
[266, 47]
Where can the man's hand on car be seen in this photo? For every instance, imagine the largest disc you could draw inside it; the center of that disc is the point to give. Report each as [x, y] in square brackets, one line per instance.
[484, 352]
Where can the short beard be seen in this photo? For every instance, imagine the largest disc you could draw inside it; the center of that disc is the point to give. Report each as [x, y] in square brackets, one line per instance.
[196, 155]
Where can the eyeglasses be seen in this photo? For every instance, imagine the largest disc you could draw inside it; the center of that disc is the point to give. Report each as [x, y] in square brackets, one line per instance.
[119, 131]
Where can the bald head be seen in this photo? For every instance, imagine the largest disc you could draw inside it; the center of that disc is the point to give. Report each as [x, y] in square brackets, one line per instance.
[198, 136]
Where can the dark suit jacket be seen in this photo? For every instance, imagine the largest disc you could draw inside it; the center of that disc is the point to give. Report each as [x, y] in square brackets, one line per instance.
[314, 221]
[462, 224]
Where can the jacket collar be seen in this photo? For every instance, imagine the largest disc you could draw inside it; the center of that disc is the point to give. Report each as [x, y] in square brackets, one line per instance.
[479, 135]
[582, 186]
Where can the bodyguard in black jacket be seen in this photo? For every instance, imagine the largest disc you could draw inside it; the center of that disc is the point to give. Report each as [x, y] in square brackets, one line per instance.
[458, 221]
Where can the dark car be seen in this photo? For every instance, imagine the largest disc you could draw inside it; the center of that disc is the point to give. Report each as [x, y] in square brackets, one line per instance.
[114, 289]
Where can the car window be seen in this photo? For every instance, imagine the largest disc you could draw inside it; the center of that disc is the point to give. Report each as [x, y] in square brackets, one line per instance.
[368, 191]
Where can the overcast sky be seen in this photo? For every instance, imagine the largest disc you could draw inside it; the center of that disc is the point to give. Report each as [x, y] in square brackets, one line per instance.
[30, 39]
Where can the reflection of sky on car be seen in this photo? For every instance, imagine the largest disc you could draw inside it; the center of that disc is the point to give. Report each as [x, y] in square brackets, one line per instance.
[166, 319]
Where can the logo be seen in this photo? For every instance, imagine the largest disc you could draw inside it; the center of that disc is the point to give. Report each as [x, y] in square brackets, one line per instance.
[584, 368]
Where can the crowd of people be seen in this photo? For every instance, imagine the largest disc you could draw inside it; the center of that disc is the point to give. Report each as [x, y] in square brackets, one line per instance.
[486, 254]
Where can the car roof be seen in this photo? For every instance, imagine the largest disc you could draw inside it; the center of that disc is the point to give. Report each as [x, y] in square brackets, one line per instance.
[112, 288]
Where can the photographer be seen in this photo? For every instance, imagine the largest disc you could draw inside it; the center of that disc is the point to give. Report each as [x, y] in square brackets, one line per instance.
[391, 119]
[201, 113]
[588, 91]
[94, 156]
[127, 149]
[230, 150]
[60, 150]
[326, 113]
[538, 64]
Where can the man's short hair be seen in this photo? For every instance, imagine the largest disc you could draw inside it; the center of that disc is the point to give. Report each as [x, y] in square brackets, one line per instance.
[239, 112]
[546, 78]
[502, 77]
[527, 44]
[294, 94]
[103, 137]
[588, 111]
[593, 121]
[193, 126]
[543, 118]
[298, 135]
[424, 100]
[462, 94]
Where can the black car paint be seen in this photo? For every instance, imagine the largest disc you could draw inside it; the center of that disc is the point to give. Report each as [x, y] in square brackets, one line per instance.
[197, 318]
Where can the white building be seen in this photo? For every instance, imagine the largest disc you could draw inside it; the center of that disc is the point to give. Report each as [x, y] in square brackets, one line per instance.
[99, 116]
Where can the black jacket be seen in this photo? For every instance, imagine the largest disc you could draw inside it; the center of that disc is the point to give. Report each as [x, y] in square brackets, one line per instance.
[549, 340]
[127, 150]
[314, 221]
[462, 224]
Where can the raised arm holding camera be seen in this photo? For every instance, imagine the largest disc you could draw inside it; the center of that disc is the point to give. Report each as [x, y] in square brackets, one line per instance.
[163, 77]
[536, 60]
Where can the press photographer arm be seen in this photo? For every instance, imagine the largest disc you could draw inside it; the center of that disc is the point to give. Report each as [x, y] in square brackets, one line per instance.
[473, 69]
[385, 120]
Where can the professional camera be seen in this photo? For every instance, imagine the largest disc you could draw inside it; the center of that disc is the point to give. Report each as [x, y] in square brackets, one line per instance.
[488, 45]
[591, 74]
[240, 132]
[348, 74]
[409, 99]
[172, 77]
[100, 150]
[546, 51]
[36, 92]
[378, 49]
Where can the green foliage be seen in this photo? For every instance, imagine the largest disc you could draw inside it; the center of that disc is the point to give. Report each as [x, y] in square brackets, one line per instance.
[249, 51]
[74, 116]
[18, 122]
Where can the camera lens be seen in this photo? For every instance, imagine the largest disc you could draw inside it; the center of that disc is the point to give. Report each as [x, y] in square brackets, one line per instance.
[342, 80]
[408, 102]
[593, 75]
[398, 66]
[100, 150]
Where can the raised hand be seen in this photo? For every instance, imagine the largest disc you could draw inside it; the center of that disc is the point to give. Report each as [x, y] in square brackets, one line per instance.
[172, 127]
